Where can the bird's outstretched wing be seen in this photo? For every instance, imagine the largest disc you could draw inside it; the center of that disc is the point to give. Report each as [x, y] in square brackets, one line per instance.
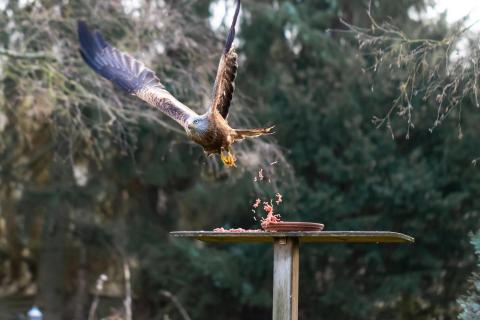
[227, 70]
[129, 74]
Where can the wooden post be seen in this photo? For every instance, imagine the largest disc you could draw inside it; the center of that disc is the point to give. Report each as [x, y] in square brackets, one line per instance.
[286, 256]
[285, 278]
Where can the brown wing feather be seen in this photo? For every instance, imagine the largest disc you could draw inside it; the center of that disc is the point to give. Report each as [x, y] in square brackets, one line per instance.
[161, 99]
[129, 74]
[224, 83]
[227, 70]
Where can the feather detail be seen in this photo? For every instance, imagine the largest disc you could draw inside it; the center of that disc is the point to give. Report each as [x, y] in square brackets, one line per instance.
[227, 70]
[241, 134]
[129, 74]
[231, 33]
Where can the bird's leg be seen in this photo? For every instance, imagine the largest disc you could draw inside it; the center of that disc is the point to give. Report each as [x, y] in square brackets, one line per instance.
[227, 157]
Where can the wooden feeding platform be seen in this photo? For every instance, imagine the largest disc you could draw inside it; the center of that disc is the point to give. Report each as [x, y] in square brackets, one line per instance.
[286, 255]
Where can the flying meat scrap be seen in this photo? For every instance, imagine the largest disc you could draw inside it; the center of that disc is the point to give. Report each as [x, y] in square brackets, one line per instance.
[211, 129]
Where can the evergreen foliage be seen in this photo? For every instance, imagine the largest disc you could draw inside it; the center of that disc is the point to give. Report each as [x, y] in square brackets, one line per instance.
[470, 304]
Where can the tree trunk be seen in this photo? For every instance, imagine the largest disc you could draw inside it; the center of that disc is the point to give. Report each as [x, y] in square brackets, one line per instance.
[14, 244]
[52, 261]
[80, 301]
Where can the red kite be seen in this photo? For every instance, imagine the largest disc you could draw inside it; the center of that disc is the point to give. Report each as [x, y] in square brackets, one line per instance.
[211, 129]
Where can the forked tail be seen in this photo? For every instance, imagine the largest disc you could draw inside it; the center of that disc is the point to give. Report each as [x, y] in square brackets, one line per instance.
[252, 133]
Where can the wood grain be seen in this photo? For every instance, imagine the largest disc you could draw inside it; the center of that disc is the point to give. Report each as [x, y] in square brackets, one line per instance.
[285, 278]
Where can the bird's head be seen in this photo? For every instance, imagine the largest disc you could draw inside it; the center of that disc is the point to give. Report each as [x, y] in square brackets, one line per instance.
[197, 124]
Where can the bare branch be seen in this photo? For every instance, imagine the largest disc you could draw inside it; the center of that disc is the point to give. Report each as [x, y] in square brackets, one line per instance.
[176, 303]
[26, 55]
[424, 67]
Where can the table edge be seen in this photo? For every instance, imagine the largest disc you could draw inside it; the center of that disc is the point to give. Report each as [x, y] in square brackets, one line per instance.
[305, 236]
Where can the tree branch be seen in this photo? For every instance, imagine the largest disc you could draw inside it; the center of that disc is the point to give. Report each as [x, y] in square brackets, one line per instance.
[176, 302]
[26, 55]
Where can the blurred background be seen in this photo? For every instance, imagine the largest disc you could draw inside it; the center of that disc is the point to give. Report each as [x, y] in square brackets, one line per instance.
[376, 109]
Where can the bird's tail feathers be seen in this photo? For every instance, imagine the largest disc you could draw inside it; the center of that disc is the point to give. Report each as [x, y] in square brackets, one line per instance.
[252, 133]
[231, 33]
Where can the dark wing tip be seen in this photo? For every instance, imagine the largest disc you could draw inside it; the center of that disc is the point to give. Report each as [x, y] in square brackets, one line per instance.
[112, 64]
[81, 25]
[86, 37]
[231, 34]
[91, 45]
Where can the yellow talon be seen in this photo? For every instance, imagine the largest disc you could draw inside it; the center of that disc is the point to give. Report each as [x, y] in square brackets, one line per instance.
[228, 158]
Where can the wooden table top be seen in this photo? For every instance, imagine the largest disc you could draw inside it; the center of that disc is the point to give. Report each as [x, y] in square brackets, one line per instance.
[304, 236]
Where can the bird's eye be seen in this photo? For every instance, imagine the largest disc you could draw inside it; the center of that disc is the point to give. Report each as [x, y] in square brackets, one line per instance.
[195, 121]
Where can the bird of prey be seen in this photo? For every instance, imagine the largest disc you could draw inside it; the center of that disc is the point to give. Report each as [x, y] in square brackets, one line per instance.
[211, 129]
